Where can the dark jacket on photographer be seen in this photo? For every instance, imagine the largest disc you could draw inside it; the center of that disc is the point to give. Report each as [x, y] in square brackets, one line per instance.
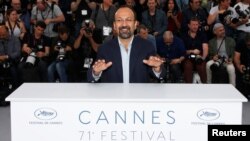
[9, 56]
[11, 48]
[229, 44]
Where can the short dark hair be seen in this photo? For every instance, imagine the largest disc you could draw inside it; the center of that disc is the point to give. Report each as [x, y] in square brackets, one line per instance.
[194, 19]
[63, 29]
[140, 27]
[41, 24]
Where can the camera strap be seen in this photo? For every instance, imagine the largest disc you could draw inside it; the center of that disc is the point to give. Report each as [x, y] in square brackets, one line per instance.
[220, 46]
[13, 28]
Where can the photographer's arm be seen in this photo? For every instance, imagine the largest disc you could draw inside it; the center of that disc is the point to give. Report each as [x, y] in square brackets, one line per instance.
[237, 62]
[93, 44]
[177, 20]
[3, 58]
[56, 19]
[78, 40]
[204, 51]
[23, 30]
[26, 49]
[211, 18]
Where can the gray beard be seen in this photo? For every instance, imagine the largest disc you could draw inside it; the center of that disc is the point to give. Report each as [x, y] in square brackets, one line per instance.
[125, 35]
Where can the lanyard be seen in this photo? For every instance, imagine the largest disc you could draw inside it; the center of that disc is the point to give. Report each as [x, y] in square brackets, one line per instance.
[12, 28]
[220, 46]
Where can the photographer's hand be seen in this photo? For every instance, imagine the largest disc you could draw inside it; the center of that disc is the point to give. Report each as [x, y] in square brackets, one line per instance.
[26, 49]
[3, 58]
[82, 31]
[99, 66]
[169, 14]
[241, 68]
[215, 57]
[196, 51]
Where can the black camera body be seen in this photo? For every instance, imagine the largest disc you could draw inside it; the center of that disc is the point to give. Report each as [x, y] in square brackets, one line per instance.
[196, 58]
[246, 75]
[226, 17]
[61, 54]
[216, 65]
[6, 64]
[87, 28]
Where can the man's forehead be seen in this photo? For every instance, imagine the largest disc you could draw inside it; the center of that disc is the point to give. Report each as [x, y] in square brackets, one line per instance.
[124, 12]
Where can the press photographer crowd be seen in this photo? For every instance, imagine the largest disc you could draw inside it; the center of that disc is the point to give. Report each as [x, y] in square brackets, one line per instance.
[58, 40]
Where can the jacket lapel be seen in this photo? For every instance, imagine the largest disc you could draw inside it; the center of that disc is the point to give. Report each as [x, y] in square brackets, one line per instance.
[134, 56]
[118, 60]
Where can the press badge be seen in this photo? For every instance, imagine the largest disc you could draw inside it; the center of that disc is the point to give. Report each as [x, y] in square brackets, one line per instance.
[106, 30]
[84, 12]
[87, 62]
[40, 47]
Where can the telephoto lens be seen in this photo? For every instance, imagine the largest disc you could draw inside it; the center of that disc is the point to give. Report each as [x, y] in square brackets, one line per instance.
[31, 59]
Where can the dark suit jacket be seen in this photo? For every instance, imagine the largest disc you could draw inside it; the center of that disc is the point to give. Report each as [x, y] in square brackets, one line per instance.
[138, 73]
[159, 24]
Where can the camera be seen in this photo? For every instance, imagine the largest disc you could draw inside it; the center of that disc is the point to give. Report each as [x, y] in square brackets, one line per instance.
[242, 14]
[197, 58]
[31, 59]
[61, 53]
[246, 75]
[226, 17]
[216, 65]
[6, 64]
[203, 26]
[87, 28]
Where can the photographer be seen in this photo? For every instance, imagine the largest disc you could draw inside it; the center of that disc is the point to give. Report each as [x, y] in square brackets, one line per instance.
[9, 54]
[196, 52]
[242, 11]
[22, 11]
[221, 50]
[154, 19]
[84, 53]
[174, 16]
[102, 18]
[50, 14]
[4, 5]
[223, 13]
[61, 56]
[242, 63]
[81, 10]
[173, 50]
[33, 65]
[194, 10]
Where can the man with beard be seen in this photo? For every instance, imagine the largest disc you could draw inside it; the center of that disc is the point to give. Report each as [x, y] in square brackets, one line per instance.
[126, 58]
